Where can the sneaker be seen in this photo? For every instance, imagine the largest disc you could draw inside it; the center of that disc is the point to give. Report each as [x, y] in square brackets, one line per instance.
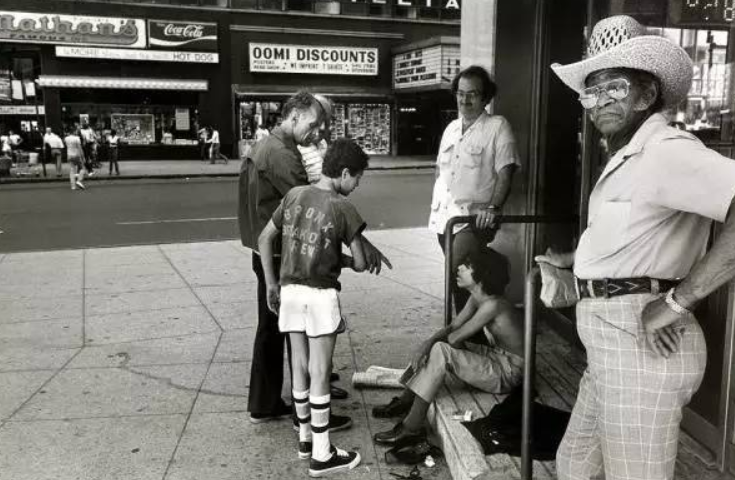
[339, 461]
[304, 450]
[338, 393]
[91, 174]
[284, 411]
[79, 184]
[336, 423]
[396, 408]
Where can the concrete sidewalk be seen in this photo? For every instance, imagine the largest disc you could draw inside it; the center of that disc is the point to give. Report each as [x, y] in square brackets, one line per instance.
[137, 169]
[133, 362]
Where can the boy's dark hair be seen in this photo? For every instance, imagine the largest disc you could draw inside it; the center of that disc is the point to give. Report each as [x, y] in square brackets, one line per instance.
[489, 88]
[301, 101]
[344, 153]
[490, 269]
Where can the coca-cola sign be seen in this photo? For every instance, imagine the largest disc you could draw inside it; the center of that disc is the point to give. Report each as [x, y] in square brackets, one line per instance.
[176, 35]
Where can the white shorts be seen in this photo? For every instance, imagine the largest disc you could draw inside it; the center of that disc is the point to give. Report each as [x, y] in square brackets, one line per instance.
[314, 311]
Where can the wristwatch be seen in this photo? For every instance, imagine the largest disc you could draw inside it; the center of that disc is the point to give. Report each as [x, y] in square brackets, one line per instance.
[674, 305]
[493, 207]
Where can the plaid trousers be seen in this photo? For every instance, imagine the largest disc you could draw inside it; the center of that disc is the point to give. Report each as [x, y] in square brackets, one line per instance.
[625, 423]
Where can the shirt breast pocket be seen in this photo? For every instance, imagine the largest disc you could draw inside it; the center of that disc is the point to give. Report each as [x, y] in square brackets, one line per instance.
[472, 157]
[445, 153]
[609, 227]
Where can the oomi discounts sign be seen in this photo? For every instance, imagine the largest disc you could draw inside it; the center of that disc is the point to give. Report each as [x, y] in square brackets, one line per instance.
[266, 57]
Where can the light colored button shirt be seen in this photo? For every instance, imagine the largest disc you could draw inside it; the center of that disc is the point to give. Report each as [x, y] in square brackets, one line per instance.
[651, 210]
[468, 166]
[53, 140]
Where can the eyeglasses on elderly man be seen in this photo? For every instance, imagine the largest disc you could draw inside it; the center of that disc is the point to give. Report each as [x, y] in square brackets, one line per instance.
[617, 89]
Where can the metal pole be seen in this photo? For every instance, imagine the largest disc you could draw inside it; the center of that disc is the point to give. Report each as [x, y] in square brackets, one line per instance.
[529, 371]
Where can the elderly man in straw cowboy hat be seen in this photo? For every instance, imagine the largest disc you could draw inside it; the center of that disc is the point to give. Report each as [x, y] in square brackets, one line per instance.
[639, 264]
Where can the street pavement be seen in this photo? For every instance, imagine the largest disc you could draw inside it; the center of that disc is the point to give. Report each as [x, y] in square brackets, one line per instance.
[136, 169]
[48, 216]
[133, 362]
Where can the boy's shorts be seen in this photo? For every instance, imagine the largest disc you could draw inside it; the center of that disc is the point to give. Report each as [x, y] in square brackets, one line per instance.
[314, 311]
[75, 160]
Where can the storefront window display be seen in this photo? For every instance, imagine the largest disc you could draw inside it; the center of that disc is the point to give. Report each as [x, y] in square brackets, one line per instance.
[136, 124]
[369, 124]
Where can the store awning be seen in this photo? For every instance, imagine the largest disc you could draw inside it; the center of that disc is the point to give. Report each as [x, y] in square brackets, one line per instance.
[72, 81]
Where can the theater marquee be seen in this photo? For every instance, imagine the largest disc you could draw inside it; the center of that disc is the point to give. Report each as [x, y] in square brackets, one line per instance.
[275, 58]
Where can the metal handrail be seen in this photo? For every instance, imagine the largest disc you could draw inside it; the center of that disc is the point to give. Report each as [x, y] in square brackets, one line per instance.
[529, 320]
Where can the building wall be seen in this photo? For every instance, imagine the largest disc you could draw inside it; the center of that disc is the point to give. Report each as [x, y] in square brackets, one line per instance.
[216, 105]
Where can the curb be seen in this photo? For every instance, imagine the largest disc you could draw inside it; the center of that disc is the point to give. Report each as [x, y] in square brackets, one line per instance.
[170, 176]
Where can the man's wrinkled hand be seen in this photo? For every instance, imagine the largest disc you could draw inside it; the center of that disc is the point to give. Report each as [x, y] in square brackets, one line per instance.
[374, 257]
[273, 295]
[658, 319]
[421, 356]
[486, 219]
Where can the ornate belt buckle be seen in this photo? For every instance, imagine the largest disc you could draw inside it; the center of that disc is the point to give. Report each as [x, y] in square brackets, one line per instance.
[605, 288]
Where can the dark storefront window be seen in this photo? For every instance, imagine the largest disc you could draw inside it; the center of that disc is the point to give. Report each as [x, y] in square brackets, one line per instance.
[21, 101]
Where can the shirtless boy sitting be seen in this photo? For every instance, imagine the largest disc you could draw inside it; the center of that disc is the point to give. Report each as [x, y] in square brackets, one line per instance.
[496, 368]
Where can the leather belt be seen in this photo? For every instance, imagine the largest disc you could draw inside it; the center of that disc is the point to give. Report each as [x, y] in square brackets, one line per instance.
[613, 287]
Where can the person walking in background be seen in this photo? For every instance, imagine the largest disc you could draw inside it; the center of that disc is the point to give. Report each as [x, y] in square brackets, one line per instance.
[203, 135]
[75, 157]
[88, 140]
[214, 146]
[55, 146]
[113, 150]
[15, 142]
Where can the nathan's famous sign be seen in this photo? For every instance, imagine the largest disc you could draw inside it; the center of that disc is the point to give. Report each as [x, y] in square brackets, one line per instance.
[30, 27]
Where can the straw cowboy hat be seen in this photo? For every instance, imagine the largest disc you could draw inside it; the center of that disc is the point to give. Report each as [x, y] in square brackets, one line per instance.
[622, 42]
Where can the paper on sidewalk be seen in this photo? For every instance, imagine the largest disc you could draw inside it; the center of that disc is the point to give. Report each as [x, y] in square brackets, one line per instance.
[376, 376]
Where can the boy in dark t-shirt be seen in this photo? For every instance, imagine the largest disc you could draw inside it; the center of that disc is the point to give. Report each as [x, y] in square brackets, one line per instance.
[314, 222]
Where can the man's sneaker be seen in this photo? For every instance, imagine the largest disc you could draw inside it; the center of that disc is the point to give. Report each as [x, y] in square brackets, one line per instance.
[304, 450]
[91, 174]
[79, 184]
[339, 461]
[396, 408]
[336, 423]
[284, 411]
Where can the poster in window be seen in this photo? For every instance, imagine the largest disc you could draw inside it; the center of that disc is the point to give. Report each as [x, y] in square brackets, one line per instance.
[182, 119]
[5, 88]
[134, 128]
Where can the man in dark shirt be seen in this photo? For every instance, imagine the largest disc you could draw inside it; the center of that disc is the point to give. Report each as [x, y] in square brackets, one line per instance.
[274, 167]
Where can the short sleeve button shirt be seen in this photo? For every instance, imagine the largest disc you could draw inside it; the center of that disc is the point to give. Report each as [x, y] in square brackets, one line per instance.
[651, 210]
[468, 166]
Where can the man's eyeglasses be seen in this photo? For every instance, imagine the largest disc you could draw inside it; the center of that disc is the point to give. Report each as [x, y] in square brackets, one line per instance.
[471, 95]
[617, 89]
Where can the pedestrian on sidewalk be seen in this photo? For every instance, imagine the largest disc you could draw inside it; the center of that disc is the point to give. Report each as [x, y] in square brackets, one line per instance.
[89, 139]
[214, 146]
[493, 368]
[475, 166]
[640, 265]
[203, 135]
[55, 146]
[113, 150]
[75, 157]
[313, 222]
[270, 171]
[15, 142]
